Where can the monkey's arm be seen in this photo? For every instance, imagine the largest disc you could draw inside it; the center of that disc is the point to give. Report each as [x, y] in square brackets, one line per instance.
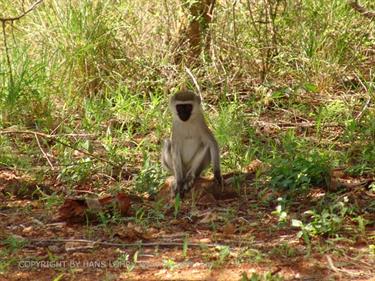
[199, 163]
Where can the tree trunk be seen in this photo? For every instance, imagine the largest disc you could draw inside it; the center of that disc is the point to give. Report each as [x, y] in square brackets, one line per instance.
[190, 43]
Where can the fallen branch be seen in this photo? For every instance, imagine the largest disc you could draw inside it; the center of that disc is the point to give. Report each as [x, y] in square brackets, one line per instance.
[3, 24]
[46, 135]
[4, 21]
[112, 244]
[11, 19]
[55, 137]
[339, 270]
[44, 154]
[364, 108]
[362, 10]
[188, 71]
[280, 125]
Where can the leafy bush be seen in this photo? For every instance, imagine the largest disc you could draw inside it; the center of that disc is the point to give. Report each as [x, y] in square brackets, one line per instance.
[149, 178]
[300, 171]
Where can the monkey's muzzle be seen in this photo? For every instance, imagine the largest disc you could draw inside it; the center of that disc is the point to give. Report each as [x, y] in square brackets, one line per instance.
[184, 111]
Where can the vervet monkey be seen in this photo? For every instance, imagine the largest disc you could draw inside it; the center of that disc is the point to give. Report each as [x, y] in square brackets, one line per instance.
[192, 145]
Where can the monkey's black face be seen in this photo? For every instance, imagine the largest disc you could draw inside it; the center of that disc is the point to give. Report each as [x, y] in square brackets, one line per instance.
[184, 111]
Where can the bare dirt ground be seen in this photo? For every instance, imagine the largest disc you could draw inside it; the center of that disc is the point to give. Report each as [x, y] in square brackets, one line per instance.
[225, 239]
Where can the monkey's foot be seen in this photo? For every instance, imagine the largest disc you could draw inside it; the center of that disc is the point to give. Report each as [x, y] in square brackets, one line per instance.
[189, 182]
[178, 188]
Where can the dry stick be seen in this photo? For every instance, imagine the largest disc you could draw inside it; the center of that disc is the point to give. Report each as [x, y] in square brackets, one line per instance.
[44, 154]
[3, 23]
[141, 244]
[61, 142]
[338, 270]
[208, 17]
[293, 125]
[366, 105]
[4, 20]
[235, 35]
[23, 14]
[362, 10]
[194, 81]
[23, 5]
[5, 132]
[259, 37]
[359, 116]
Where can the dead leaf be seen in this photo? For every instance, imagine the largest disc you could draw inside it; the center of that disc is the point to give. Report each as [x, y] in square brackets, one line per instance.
[207, 199]
[73, 210]
[76, 210]
[123, 202]
[150, 233]
[129, 234]
[209, 218]
[340, 180]
[254, 166]
[229, 229]
[132, 232]
[165, 191]
[27, 230]
[94, 204]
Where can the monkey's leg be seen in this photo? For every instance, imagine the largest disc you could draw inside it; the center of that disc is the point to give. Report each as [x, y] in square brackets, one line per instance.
[167, 162]
[178, 172]
[200, 162]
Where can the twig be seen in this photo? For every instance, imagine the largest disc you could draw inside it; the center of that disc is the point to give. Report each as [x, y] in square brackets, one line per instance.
[194, 81]
[277, 270]
[11, 19]
[368, 101]
[3, 25]
[356, 261]
[112, 244]
[47, 135]
[292, 124]
[74, 135]
[4, 20]
[235, 35]
[55, 137]
[339, 270]
[331, 265]
[5, 132]
[366, 105]
[362, 10]
[44, 154]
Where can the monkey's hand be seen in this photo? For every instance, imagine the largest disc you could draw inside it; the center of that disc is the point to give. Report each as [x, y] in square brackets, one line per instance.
[177, 188]
[189, 182]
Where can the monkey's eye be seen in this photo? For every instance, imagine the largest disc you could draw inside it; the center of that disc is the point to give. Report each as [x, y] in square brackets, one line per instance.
[184, 111]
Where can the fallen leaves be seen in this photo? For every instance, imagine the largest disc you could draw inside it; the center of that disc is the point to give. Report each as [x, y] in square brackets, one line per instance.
[77, 210]
[229, 229]
[132, 232]
[339, 179]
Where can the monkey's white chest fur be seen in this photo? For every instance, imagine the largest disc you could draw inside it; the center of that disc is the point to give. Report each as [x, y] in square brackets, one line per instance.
[191, 143]
[191, 148]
